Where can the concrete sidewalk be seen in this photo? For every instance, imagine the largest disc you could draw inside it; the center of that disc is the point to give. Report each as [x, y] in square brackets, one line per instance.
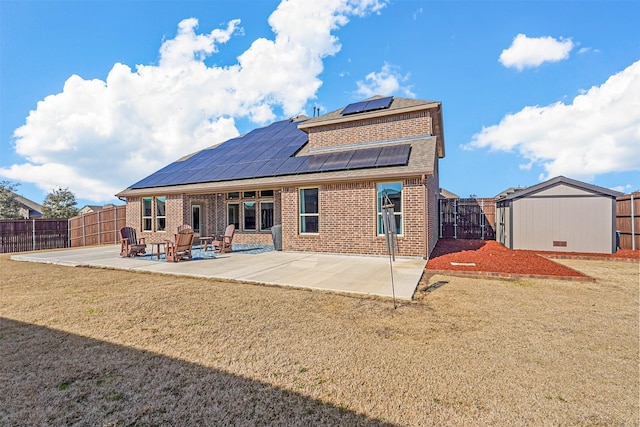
[367, 275]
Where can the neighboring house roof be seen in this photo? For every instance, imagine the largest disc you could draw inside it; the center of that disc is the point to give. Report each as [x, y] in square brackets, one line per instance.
[509, 190]
[274, 155]
[561, 180]
[90, 208]
[33, 208]
[446, 194]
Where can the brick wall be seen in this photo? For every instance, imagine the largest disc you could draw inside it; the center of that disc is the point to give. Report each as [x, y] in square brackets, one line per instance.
[348, 220]
[377, 129]
[134, 212]
[433, 195]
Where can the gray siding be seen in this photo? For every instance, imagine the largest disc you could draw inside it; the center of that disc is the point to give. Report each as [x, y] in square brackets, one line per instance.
[503, 225]
[564, 215]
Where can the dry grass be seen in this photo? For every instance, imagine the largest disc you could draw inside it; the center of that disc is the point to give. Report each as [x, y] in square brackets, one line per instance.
[86, 346]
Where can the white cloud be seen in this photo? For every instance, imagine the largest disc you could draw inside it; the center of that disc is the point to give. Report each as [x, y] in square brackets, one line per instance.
[387, 81]
[97, 137]
[533, 51]
[627, 188]
[596, 134]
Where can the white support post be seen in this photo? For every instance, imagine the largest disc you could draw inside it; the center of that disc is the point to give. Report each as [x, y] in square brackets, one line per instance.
[482, 218]
[455, 219]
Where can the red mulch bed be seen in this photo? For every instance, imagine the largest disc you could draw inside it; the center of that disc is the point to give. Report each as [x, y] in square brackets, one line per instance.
[490, 258]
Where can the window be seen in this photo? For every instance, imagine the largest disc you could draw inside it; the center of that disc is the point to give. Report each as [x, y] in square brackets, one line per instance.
[147, 219]
[233, 195]
[266, 193]
[249, 194]
[154, 217]
[249, 216]
[309, 215]
[161, 214]
[266, 216]
[233, 214]
[392, 190]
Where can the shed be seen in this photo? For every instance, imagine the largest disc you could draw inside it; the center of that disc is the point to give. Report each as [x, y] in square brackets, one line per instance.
[560, 215]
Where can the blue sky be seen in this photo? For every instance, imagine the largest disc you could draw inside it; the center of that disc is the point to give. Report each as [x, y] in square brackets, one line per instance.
[95, 95]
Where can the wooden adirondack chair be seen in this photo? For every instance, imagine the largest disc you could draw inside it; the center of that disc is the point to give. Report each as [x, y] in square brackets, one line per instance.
[130, 246]
[185, 228]
[181, 248]
[222, 244]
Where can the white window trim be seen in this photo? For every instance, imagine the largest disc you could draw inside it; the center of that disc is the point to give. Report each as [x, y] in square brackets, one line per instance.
[157, 217]
[255, 208]
[401, 213]
[301, 215]
[146, 216]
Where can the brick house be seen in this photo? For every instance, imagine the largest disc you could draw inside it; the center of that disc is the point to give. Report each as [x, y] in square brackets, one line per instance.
[322, 179]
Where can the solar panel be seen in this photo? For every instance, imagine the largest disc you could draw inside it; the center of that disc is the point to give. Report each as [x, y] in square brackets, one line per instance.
[337, 161]
[378, 104]
[269, 152]
[364, 158]
[316, 162]
[394, 156]
[356, 107]
[364, 106]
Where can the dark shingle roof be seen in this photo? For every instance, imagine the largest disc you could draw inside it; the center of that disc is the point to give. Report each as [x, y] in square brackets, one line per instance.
[270, 152]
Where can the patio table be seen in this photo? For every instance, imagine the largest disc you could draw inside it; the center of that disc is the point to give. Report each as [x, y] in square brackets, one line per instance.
[155, 247]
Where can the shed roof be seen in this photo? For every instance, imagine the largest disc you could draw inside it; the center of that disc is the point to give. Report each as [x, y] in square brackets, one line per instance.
[521, 193]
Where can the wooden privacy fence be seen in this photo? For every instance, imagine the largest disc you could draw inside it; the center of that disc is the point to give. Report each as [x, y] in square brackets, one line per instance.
[33, 234]
[468, 218]
[97, 228]
[628, 220]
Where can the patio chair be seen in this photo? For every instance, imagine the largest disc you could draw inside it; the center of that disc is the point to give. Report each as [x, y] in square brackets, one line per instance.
[222, 243]
[185, 228]
[180, 249]
[130, 246]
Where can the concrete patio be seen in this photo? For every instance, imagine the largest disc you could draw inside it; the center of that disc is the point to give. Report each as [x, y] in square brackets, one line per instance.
[366, 275]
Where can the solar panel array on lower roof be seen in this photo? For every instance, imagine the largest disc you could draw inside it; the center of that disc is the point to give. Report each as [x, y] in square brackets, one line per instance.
[268, 152]
[364, 106]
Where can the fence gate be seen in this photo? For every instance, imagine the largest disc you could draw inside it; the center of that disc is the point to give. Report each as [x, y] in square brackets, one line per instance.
[467, 219]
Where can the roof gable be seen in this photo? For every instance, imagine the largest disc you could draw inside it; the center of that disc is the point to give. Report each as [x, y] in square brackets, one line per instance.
[561, 180]
[384, 106]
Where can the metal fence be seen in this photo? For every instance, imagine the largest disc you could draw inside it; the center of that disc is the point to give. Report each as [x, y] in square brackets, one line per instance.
[33, 234]
[467, 218]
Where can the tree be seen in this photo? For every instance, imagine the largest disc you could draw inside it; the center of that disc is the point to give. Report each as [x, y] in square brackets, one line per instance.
[60, 203]
[9, 204]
